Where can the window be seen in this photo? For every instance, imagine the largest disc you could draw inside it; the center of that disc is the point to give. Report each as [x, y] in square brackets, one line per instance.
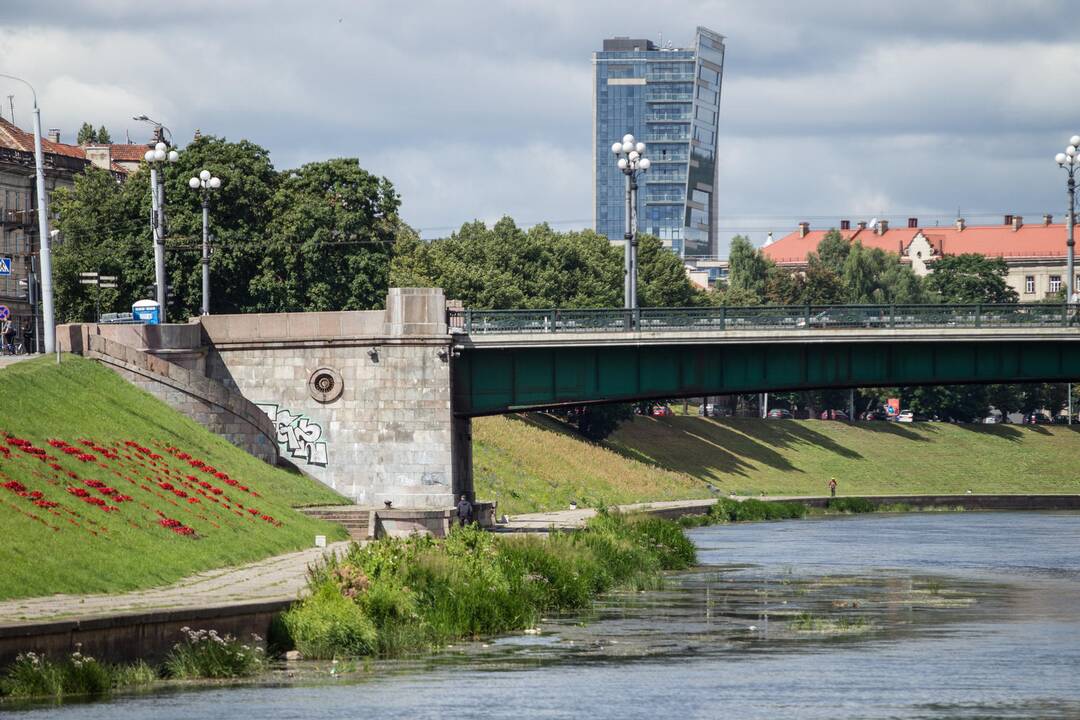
[708, 75]
[1029, 284]
[1055, 283]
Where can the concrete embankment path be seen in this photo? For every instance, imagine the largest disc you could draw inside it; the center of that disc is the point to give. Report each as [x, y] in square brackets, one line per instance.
[277, 578]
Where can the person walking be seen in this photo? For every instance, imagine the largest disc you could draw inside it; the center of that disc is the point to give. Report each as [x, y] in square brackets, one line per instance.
[8, 333]
[464, 511]
[832, 487]
[28, 338]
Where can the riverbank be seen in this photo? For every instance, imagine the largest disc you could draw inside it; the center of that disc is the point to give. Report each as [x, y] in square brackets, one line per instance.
[394, 596]
[533, 463]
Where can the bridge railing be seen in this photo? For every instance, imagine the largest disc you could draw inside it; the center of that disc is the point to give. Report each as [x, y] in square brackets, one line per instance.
[764, 317]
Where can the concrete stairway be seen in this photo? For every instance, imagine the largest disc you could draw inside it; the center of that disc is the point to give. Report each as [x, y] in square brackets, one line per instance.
[354, 518]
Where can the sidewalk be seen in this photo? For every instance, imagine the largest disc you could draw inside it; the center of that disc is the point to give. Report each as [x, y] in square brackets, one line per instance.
[574, 519]
[276, 578]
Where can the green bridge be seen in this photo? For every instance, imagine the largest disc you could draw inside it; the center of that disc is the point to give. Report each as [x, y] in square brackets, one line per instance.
[509, 360]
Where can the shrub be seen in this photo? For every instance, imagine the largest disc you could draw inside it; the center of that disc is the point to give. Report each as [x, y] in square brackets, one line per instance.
[851, 505]
[32, 675]
[327, 625]
[205, 654]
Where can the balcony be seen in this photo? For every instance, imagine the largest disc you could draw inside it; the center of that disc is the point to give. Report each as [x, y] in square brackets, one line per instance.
[665, 179]
[662, 97]
[681, 117]
[665, 198]
[670, 77]
[667, 137]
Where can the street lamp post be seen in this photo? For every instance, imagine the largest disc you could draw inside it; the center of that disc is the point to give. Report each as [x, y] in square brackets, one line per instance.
[44, 252]
[159, 155]
[205, 182]
[632, 162]
[1070, 162]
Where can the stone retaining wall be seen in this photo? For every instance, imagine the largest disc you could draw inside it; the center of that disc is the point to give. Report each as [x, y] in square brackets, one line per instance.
[219, 409]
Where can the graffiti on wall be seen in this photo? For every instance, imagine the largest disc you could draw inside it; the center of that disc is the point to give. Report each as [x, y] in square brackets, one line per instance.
[298, 435]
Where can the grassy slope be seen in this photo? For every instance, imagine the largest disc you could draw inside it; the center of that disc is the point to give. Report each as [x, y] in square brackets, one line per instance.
[779, 457]
[80, 399]
[531, 463]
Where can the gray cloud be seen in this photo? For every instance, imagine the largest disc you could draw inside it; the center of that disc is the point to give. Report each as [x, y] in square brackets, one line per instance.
[474, 109]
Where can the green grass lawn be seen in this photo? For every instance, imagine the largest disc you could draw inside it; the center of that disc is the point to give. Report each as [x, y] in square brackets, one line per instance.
[530, 463]
[79, 547]
[538, 464]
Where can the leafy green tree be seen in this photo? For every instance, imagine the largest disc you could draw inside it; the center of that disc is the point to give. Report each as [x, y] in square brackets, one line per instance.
[597, 422]
[971, 278]
[860, 273]
[748, 269]
[330, 240]
[955, 402]
[662, 278]
[103, 136]
[506, 267]
[833, 251]
[821, 286]
[87, 135]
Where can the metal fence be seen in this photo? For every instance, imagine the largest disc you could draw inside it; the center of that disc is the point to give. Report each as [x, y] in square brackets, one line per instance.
[765, 317]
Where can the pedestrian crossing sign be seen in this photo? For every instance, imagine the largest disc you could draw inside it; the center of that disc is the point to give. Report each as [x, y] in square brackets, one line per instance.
[5, 266]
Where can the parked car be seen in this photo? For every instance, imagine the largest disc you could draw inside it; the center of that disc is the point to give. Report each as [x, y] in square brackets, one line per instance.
[1060, 420]
[905, 416]
[834, 415]
[661, 411]
[780, 414]
[1036, 418]
[706, 410]
[993, 419]
[878, 414]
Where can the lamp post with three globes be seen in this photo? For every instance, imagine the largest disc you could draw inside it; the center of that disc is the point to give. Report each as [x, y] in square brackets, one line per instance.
[205, 182]
[1070, 162]
[631, 161]
[158, 156]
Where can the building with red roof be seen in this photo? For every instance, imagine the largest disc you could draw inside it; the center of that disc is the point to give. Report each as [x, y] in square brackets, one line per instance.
[1034, 253]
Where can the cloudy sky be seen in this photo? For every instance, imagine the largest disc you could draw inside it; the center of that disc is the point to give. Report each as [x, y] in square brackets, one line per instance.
[830, 108]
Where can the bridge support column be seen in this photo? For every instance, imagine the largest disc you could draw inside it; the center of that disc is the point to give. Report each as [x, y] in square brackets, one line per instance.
[461, 455]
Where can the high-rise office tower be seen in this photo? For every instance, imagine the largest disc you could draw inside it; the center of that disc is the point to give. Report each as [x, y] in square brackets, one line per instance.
[667, 97]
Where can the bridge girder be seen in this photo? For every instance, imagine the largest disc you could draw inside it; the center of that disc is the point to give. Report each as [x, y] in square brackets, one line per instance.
[494, 380]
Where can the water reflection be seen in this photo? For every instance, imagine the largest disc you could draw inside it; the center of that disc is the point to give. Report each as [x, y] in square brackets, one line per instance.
[917, 616]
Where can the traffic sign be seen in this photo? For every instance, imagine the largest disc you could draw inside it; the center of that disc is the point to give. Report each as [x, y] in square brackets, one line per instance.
[5, 266]
[5, 312]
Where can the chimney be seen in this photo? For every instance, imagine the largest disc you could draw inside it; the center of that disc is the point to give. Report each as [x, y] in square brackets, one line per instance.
[882, 227]
[862, 225]
[913, 222]
[1048, 219]
[960, 224]
[1008, 219]
[1017, 222]
[845, 224]
[804, 229]
[53, 135]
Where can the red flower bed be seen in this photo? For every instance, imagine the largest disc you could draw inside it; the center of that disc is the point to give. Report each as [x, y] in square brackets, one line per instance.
[15, 486]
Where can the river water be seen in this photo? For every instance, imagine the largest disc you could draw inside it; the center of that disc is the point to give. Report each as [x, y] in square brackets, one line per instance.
[969, 615]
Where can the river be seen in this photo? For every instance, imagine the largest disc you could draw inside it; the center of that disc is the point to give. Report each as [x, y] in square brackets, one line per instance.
[967, 615]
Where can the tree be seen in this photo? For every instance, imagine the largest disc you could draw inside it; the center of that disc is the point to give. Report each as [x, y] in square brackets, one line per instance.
[860, 272]
[597, 422]
[506, 267]
[330, 240]
[821, 285]
[748, 269]
[87, 135]
[103, 136]
[950, 402]
[662, 278]
[105, 228]
[833, 251]
[971, 278]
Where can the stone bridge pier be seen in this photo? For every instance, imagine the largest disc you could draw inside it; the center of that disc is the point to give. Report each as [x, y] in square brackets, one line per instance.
[359, 400]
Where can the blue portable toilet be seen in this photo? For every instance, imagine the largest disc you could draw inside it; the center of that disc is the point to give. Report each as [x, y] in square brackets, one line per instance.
[146, 311]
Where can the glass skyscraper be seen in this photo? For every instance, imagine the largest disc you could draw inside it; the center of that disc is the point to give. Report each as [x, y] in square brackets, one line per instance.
[669, 98]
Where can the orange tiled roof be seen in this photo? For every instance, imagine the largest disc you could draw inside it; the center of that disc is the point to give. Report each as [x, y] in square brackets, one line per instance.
[128, 152]
[1030, 241]
[11, 136]
[792, 249]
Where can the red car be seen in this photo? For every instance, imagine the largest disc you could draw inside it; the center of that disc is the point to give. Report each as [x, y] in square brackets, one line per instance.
[834, 415]
[661, 411]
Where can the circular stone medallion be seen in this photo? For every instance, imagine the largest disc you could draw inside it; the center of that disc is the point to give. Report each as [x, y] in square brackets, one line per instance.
[325, 385]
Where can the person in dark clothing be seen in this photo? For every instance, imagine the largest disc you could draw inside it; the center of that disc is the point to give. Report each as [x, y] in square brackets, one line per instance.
[28, 338]
[464, 511]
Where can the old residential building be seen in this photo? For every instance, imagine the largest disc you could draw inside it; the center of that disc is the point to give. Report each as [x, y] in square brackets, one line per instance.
[1034, 253]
